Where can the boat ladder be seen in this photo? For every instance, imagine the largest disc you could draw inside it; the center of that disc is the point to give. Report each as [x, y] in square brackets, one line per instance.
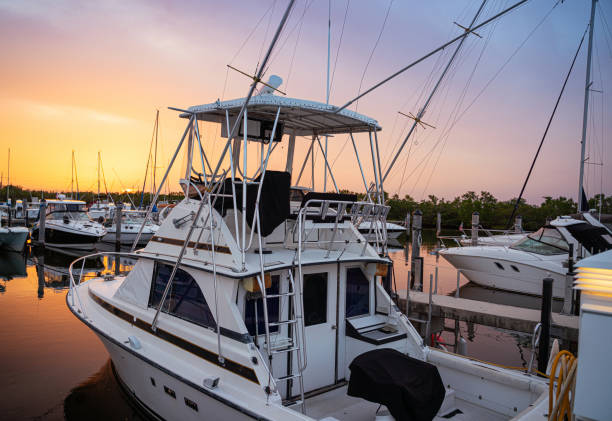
[293, 342]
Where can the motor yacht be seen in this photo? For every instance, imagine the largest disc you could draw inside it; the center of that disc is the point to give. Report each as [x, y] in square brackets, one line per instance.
[240, 309]
[131, 221]
[542, 254]
[67, 225]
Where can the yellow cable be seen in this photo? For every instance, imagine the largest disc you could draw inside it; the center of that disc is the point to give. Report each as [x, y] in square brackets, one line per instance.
[565, 380]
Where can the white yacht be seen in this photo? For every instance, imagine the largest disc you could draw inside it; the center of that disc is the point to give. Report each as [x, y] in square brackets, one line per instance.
[67, 225]
[131, 221]
[101, 211]
[237, 309]
[522, 266]
[506, 239]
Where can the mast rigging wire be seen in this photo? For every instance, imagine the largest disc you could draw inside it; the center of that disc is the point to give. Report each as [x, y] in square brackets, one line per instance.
[444, 136]
[442, 47]
[535, 158]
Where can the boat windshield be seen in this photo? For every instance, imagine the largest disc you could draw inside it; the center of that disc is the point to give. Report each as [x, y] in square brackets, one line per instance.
[136, 218]
[545, 241]
[75, 212]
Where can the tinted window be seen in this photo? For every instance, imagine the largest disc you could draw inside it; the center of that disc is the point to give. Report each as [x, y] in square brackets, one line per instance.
[315, 298]
[254, 301]
[184, 300]
[357, 293]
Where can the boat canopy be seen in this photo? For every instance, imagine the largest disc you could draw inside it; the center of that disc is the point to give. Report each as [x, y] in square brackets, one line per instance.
[304, 118]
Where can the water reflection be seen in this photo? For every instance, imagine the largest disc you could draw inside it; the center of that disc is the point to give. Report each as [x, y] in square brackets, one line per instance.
[12, 265]
[101, 397]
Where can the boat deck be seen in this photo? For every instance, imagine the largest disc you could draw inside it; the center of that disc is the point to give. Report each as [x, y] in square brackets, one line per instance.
[337, 404]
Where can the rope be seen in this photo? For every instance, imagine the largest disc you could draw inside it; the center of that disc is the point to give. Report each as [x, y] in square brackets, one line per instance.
[331, 83]
[565, 383]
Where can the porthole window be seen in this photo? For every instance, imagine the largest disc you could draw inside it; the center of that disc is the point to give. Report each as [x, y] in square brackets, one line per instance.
[152, 381]
[191, 404]
[169, 392]
[499, 266]
[515, 268]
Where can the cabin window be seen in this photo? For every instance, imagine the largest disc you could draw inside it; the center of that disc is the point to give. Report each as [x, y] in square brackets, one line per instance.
[357, 293]
[315, 298]
[185, 299]
[499, 266]
[254, 307]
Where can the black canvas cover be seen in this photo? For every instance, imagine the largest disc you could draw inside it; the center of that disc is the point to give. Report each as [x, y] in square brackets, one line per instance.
[594, 239]
[411, 389]
[273, 203]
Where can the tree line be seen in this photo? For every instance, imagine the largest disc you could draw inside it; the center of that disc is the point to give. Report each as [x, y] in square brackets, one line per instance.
[494, 213]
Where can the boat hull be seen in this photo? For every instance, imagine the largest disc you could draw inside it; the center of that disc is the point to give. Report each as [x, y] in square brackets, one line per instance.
[67, 239]
[525, 279]
[13, 239]
[135, 374]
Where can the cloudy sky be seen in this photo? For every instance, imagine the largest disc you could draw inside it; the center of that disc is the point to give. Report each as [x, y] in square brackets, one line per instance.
[89, 77]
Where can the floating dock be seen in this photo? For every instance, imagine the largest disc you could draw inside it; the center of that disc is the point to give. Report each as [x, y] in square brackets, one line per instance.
[517, 319]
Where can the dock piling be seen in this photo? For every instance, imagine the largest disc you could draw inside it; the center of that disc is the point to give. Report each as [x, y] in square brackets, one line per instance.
[118, 211]
[569, 281]
[416, 265]
[545, 317]
[518, 224]
[407, 224]
[475, 224]
[42, 217]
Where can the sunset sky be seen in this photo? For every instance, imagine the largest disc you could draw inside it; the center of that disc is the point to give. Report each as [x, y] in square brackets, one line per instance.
[89, 76]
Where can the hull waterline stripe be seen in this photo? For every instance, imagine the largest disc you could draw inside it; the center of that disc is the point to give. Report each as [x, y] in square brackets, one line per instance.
[234, 367]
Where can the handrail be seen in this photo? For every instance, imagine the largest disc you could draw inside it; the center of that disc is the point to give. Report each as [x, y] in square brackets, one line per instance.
[73, 284]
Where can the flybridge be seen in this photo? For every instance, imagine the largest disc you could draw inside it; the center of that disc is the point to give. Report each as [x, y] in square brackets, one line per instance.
[298, 116]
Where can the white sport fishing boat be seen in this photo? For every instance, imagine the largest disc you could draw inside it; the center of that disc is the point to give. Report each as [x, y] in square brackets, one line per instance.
[542, 254]
[131, 221]
[67, 225]
[236, 309]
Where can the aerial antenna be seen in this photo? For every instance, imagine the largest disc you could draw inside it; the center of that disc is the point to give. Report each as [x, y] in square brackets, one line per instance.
[466, 29]
[257, 79]
[417, 120]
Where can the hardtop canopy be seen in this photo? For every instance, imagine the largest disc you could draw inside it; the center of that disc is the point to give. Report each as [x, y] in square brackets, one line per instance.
[306, 118]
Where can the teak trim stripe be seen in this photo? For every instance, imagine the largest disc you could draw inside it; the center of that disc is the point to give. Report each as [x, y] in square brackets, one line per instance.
[191, 244]
[234, 367]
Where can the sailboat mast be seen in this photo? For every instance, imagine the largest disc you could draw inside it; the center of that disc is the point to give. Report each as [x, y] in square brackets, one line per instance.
[98, 176]
[585, 114]
[8, 175]
[72, 177]
[155, 156]
[327, 86]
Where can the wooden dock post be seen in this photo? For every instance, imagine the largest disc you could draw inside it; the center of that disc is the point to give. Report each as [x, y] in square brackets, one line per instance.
[407, 223]
[475, 224]
[568, 297]
[545, 316]
[518, 224]
[42, 217]
[118, 212]
[416, 266]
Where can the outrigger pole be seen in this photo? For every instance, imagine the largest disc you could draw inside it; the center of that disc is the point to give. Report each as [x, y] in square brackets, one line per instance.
[421, 112]
[442, 47]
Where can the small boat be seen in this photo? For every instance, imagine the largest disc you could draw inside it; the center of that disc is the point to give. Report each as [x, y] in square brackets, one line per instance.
[131, 220]
[542, 254]
[13, 238]
[393, 230]
[506, 239]
[67, 225]
[101, 211]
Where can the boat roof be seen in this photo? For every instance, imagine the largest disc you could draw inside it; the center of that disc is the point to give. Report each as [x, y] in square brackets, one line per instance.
[307, 118]
[65, 201]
